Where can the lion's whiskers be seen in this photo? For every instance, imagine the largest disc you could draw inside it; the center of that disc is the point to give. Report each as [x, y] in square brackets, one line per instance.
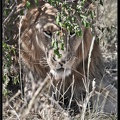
[43, 62]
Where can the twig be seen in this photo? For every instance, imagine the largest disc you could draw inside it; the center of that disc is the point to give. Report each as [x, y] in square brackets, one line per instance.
[20, 57]
[55, 102]
[89, 57]
[104, 101]
[14, 112]
[11, 13]
[72, 92]
[86, 101]
[17, 94]
[43, 84]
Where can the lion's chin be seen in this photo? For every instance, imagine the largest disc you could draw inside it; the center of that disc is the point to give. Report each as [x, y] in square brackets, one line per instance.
[60, 73]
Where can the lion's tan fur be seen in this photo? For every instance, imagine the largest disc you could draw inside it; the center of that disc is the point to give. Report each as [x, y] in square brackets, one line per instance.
[32, 51]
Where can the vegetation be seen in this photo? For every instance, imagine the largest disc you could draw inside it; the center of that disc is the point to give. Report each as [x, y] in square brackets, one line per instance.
[88, 13]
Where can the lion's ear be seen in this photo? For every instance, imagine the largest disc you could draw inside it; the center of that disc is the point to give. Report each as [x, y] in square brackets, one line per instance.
[76, 41]
[87, 35]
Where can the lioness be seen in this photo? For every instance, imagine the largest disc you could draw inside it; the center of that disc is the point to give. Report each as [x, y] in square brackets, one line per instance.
[69, 79]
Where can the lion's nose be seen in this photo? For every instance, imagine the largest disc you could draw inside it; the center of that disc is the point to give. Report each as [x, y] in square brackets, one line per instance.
[62, 62]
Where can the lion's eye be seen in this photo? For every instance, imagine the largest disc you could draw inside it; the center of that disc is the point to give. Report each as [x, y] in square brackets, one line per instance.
[48, 33]
[72, 33]
[54, 58]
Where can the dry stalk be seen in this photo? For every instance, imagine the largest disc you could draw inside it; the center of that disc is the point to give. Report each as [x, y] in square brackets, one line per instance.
[104, 101]
[72, 91]
[89, 57]
[11, 13]
[38, 91]
[14, 112]
[87, 82]
[20, 67]
[17, 94]
[56, 105]
[86, 101]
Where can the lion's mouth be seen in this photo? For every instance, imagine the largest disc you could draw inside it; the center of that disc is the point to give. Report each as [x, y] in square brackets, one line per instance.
[60, 70]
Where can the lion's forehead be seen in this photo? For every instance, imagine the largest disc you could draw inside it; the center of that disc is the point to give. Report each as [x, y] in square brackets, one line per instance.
[51, 26]
[48, 9]
[48, 13]
[64, 55]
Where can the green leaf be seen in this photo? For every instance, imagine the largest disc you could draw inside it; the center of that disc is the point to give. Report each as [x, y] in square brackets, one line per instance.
[83, 16]
[5, 92]
[36, 2]
[101, 2]
[79, 33]
[16, 80]
[56, 51]
[92, 14]
[62, 46]
[84, 23]
[59, 56]
[87, 24]
[52, 43]
[57, 19]
[55, 45]
[28, 4]
[21, 12]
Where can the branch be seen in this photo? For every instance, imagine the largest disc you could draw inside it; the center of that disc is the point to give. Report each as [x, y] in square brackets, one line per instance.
[11, 13]
[39, 90]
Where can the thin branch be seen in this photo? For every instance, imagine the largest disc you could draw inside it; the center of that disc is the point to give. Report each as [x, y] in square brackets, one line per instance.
[17, 94]
[20, 55]
[39, 90]
[89, 57]
[14, 112]
[11, 13]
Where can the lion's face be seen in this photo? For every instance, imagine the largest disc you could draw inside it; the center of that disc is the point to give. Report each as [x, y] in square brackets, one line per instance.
[38, 39]
[61, 66]
[47, 32]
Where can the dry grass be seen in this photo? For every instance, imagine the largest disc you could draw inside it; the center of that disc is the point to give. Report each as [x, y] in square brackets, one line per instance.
[39, 108]
[15, 107]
